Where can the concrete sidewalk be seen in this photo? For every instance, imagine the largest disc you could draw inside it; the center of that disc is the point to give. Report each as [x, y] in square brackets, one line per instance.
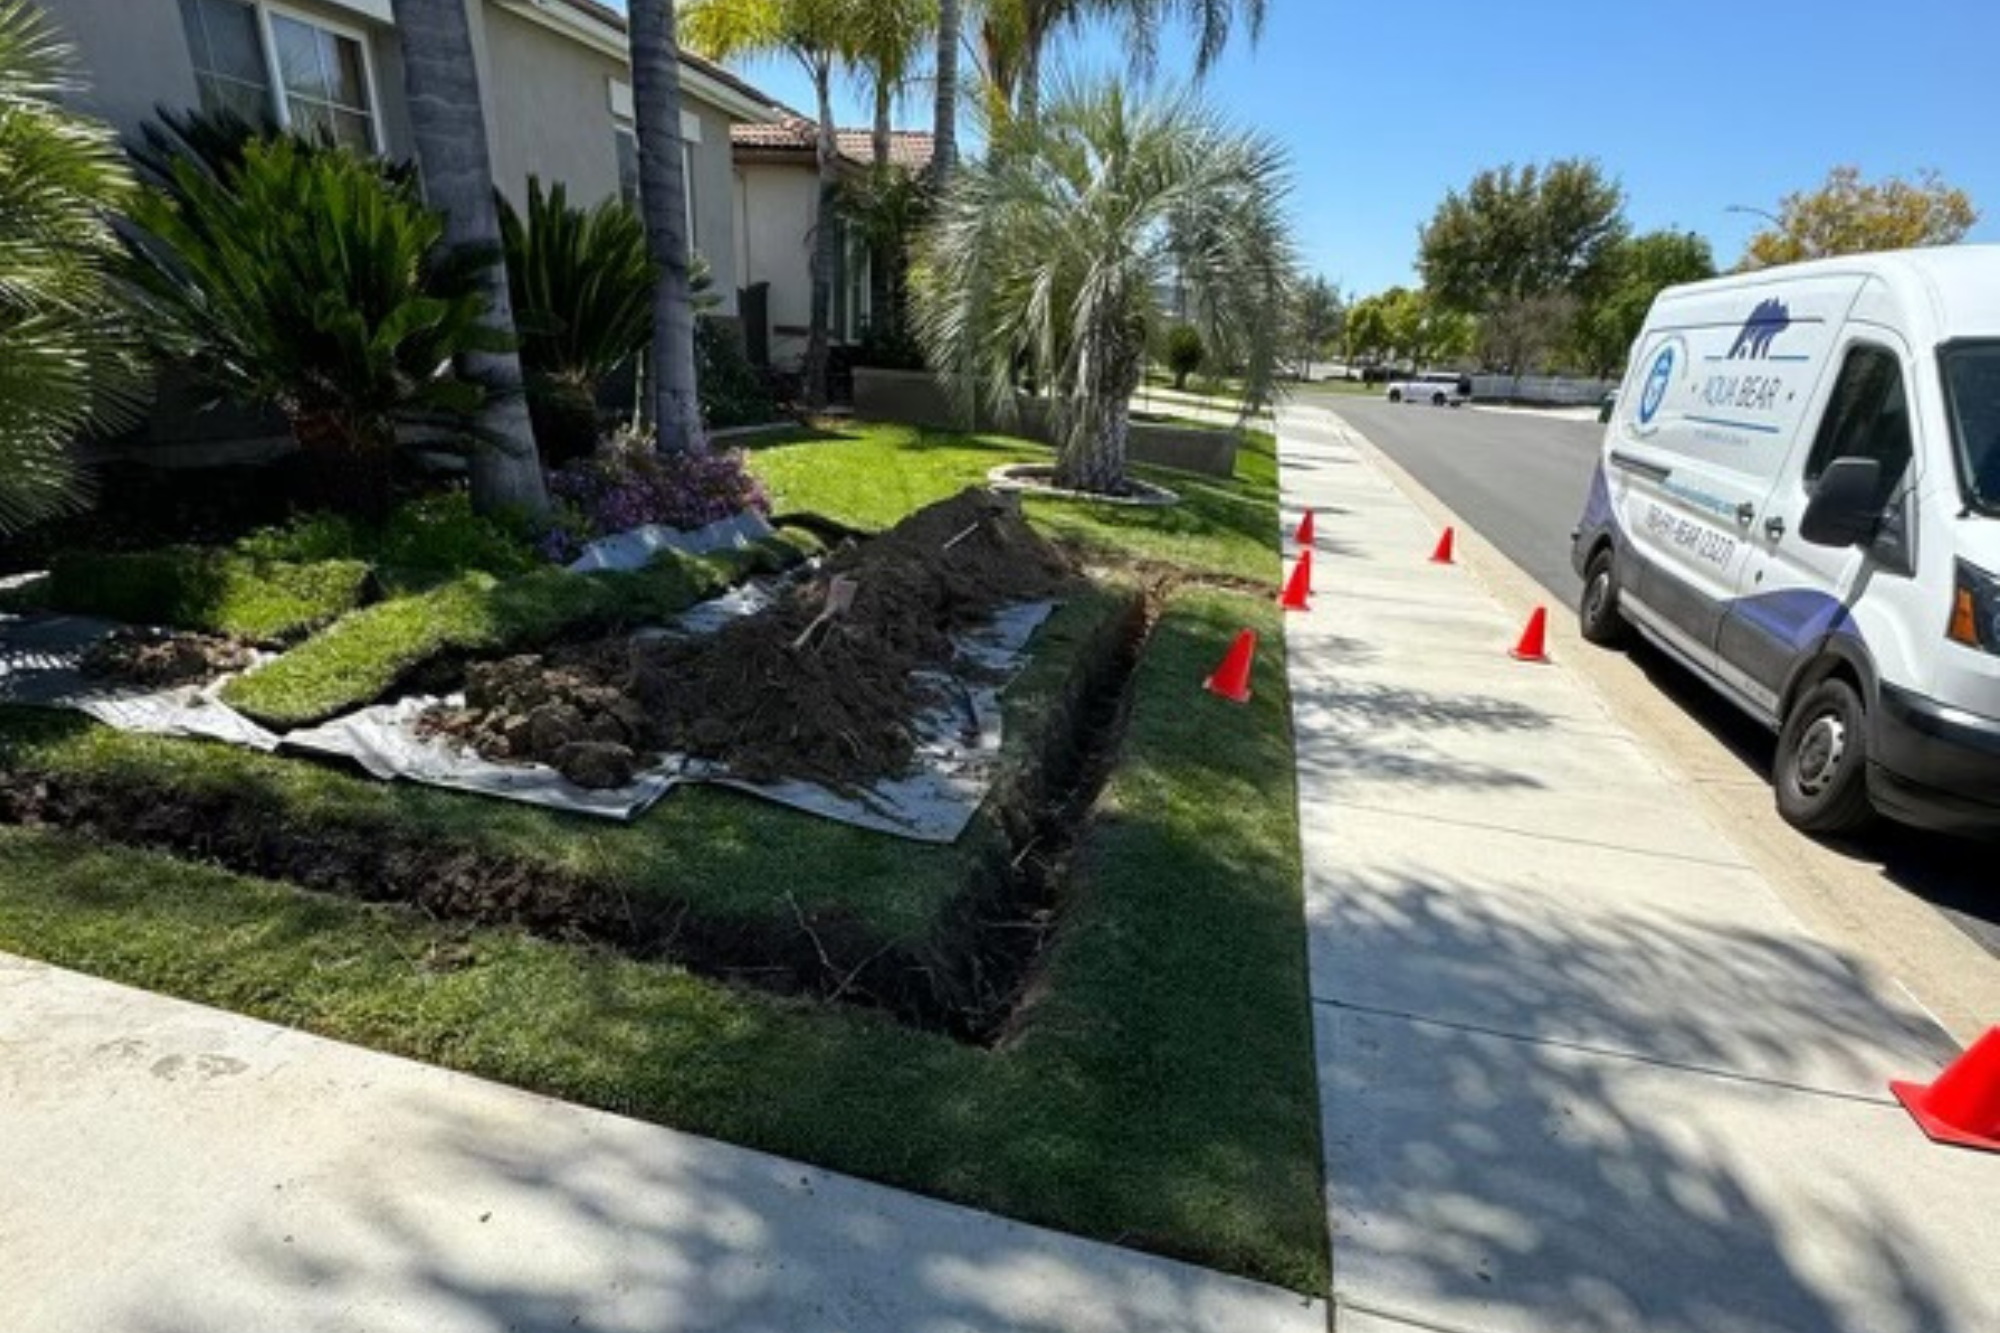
[166, 1168]
[1581, 1069]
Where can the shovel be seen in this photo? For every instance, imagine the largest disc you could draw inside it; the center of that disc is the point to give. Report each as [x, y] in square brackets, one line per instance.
[840, 592]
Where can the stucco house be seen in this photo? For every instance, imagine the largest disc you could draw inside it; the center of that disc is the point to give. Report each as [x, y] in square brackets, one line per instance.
[777, 218]
[554, 76]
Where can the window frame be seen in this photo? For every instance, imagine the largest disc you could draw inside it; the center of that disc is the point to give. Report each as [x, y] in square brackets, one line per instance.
[196, 57]
[282, 97]
[1808, 477]
[1961, 459]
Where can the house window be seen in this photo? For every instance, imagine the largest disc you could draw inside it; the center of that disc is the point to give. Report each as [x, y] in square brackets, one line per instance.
[322, 81]
[325, 80]
[228, 55]
[628, 177]
[853, 293]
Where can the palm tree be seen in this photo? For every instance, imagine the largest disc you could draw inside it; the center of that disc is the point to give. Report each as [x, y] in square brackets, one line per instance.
[61, 339]
[656, 99]
[1018, 33]
[818, 34]
[1050, 260]
[944, 126]
[883, 46]
[441, 83]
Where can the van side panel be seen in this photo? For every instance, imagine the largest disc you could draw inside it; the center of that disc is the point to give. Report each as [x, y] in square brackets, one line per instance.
[1720, 388]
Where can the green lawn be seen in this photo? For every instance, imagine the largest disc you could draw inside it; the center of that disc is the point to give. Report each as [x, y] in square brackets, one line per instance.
[869, 476]
[1158, 1090]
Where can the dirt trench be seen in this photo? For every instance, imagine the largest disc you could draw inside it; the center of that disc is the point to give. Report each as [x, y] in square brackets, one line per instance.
[964, 980]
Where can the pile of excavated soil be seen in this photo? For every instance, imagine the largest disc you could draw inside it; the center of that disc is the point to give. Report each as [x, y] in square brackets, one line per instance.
[837, 710]
[163, 658]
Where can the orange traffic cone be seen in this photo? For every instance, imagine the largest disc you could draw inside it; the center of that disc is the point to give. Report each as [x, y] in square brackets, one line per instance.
[1442, 555]
[1232, 679]
[1533, 646]
[1963, 1105]
[1299, 584]
[1304, 536]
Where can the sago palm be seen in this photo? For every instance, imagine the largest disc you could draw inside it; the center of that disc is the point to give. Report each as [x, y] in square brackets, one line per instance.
[304, 280]
[1050, 261]
[62, 344]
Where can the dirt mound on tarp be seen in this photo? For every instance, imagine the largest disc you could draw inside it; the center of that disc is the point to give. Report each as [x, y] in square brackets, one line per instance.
[162, 658]
[785, 693]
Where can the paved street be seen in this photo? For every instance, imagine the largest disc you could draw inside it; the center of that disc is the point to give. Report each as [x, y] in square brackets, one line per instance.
[1520, 481]
[1581, 1067]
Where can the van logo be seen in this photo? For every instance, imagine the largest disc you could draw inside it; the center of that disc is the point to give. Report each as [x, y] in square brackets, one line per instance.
[1658, 380]
[1766, 322]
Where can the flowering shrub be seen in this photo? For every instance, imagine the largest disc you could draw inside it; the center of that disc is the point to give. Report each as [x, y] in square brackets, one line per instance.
[626, 485]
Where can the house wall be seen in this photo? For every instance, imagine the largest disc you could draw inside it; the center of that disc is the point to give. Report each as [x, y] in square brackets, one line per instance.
[776, 204]
[551, 113]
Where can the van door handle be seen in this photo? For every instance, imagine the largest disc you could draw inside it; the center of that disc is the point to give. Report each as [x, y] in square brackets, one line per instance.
[1744, 513]
[1774, 527]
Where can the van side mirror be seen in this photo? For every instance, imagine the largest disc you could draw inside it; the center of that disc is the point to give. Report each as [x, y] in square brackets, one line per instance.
[1846, 505]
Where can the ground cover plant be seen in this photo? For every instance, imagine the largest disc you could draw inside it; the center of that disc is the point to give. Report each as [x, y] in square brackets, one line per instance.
[1089, 1012]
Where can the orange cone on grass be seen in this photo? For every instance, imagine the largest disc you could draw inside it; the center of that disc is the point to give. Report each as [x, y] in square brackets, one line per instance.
[1304, 536]
[1232, 679]
[1442, 555]
[1299, 584]
[1533, 646]
[1963, 1105]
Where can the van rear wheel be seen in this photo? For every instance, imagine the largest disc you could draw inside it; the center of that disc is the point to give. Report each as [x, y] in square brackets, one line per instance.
[1822, 777]
[1597, 615]
[1437, 400]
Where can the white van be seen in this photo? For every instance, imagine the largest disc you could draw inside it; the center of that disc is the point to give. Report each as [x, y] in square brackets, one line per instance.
[1799, 498]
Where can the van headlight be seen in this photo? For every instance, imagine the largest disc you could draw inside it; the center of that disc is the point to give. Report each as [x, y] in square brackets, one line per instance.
[1975, 609]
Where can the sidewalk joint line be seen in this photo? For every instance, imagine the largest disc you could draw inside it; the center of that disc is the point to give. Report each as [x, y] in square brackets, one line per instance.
[1611, 1053]
[1540, 837]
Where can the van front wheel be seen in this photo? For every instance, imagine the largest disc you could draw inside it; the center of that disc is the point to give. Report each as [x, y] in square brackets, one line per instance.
[1597, 614]
[1822, 776]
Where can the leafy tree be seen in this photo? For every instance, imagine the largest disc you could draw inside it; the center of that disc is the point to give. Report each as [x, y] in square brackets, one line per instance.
[1517, 335]
[1639, 269]
[582, 287]
[305, 280]
[1520, 233]
[656, 105]
[1049, 261]
[820, 35]
[1316, 317]
[63, 343]
[1848, 215]
[1424, 331]
[1184, 352]
[442, 82]
[1367, 333]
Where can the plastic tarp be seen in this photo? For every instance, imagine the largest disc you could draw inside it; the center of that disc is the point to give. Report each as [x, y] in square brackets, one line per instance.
[40, 664]
[957, 759]
[633, 548]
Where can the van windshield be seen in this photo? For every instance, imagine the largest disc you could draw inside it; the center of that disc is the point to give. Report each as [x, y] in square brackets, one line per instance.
[1972, 384]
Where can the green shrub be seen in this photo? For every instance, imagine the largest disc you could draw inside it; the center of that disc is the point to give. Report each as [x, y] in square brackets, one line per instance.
[303, 279]
[1185, 353]
[582, 288]
[422, 543]
[733, 392]
[216, 592]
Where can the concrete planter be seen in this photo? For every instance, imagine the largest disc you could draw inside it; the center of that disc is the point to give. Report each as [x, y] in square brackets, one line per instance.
[916, 398]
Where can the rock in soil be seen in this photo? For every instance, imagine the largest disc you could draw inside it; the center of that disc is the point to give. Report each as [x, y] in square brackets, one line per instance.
[161, 659]
[837, 710]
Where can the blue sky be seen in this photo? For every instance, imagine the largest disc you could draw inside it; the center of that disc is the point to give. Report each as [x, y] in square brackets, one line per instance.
[1693, 105]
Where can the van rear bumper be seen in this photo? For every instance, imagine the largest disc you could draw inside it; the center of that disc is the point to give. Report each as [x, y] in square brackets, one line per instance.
[1935, 766]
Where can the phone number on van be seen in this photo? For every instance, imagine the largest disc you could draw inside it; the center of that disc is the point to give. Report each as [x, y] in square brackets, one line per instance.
[1703, 543]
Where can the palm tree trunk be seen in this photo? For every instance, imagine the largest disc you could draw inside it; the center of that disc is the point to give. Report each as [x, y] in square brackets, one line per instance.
[884, 315]
[656, 102]
[826, 238]
[1028, 105]
[1093, 458]
[944, 128]
[884, 136]
[441, 84]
